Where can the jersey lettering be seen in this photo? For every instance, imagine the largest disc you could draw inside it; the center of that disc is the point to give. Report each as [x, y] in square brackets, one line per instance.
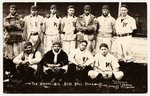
[107, 64]
[124, 24]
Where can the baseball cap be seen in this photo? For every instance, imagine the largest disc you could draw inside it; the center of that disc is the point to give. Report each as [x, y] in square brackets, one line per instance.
[87, 7]
[34, 8]
[105, 7]
[57, 43]
[124, 5]
[53, 7]
[70, 6]
[104, 45]
[13, 6]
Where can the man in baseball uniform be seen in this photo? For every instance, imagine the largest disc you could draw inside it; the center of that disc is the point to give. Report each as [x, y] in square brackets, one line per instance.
[33, 28]
[124, 27]
[68, 27]
[106, 27]
[80, 62]
[106, 65]
[51, 29]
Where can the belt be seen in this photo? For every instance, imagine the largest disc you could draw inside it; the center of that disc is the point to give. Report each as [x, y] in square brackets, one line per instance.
[36, 33]
[125, 34]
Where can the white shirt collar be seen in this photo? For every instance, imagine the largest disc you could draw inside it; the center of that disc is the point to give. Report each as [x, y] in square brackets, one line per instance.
[53, 16]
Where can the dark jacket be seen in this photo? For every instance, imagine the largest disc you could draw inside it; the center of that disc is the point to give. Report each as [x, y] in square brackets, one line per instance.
[14, 27]
[62, 58]
[91, 26]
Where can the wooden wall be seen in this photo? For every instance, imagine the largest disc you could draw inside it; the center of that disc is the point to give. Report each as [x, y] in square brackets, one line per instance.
[134, 8]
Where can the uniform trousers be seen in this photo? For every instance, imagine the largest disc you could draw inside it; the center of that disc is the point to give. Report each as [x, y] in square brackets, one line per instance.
[122, 47]
[49, 40]
[11, 50]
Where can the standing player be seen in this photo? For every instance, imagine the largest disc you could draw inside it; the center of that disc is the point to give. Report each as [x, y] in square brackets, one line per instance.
[51, 29]
[13, 34]
[33, 28]
[106, 27]
[87, 26]
[125, 25]
[68, 27]
[106, 65]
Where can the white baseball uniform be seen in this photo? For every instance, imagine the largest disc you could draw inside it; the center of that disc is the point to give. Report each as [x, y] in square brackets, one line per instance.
[105, 65]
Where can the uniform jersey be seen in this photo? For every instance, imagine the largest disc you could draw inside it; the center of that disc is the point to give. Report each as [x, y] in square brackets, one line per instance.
[81, 57]
[33, 24]
[52, 25]
[125, 25]
[106, 63]
[106, 24]
[69, 24]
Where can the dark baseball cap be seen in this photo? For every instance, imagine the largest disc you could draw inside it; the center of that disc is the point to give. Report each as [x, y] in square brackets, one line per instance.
[13, 6]
[124, 5]
[57, 43]
[105, 7]
[87, 7]
[103, 45]
[70, 6]
[34, 8]
[53, 7]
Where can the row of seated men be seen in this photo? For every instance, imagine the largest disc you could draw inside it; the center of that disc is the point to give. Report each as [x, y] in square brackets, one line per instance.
[56, 66]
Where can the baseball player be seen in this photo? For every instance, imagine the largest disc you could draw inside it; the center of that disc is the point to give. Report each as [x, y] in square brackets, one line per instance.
[13, 33]
[51, 29]
[26, 62]
[68, 27]
[124, 27]
[33, 28]
[55, 63]
[106, 27]
[86, 27]
[80, 62]
[106, 65]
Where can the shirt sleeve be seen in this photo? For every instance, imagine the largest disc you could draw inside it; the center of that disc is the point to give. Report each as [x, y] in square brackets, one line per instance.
[36, 59]
[133, 23]
[17, 59]
[71, 57]
[90, 59]
[65, 59]
[113, 23]
[115, 63]
[96, 61]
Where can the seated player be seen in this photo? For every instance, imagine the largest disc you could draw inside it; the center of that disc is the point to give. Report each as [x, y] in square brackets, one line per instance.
[55, 63]
[80, 62]
[26, 62]
[106, 65]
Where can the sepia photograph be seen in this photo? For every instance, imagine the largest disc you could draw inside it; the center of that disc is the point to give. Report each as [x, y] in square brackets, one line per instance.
[75, 47]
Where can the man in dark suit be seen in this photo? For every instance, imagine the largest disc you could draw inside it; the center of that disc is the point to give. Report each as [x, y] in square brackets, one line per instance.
[86, 26]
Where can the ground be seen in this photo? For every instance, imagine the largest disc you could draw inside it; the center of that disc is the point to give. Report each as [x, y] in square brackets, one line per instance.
[134, 81]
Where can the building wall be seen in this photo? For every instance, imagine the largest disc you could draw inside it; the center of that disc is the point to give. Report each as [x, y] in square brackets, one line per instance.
[134, 8]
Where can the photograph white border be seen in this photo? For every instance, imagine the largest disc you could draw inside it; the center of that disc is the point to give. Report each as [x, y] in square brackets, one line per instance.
[68, 94]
